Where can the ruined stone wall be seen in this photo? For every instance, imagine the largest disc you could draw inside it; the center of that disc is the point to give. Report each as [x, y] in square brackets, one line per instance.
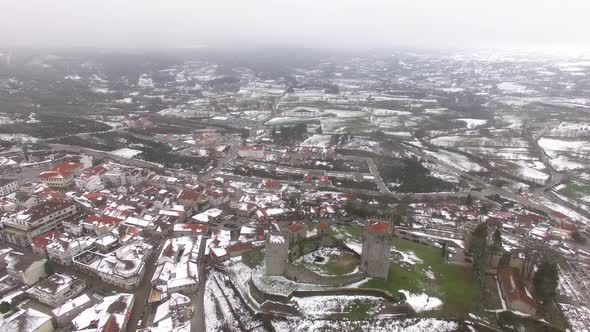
[314, 243]
[301, 274]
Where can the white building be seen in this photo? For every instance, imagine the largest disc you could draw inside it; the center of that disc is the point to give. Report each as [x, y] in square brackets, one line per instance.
[91, 179]
[174, 314]
[25, 268]
[207, 216]
[70, 309]
[177, 266]
[111, 314]
[63, 250]
[123, 267]
[29, 320]
[22, 227]
[8, 186]
[57, 289]
[61, 175]
[251, 151]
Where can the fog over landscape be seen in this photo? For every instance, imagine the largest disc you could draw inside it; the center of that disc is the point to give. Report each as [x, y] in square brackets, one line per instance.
[545, 25]
[285, 166]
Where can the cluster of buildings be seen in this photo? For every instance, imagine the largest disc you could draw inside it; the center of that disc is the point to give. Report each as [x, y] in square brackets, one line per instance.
[114, 223]
[269, 153]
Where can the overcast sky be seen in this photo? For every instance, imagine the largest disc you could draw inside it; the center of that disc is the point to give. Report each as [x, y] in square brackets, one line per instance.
[298, 23]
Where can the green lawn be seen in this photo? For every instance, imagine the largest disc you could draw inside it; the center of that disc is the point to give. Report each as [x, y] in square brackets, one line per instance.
[576, 189]
[346, 233]
[357, 310]
[253, 257]
[454, 285]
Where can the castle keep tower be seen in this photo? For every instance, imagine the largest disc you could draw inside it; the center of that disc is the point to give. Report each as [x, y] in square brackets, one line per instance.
[376, 249]
[276, 255]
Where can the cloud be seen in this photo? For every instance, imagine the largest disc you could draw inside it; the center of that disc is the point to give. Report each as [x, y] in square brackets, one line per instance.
[301, 23]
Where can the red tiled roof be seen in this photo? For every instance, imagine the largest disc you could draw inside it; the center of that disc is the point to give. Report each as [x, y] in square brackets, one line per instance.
[296, 228]
[559, 215]
[530, 218]
[46, 208]
[271, 183]
[196, 227]
[41, 241]
[111, 325]
[324, 226]
[97, 170]
[169, 251]
[512, 286]
[108, 220]
[379, 226]
[240, 246]
[61, 170]
[93, 195]
[190, 195]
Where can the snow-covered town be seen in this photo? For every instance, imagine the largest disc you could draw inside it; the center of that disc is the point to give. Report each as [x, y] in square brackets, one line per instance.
[404, 191]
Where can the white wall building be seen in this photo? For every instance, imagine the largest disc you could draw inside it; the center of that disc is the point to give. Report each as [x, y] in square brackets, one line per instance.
[21, 228]
[63, 250]
[8, 186]
[57, 289]
[25, 268]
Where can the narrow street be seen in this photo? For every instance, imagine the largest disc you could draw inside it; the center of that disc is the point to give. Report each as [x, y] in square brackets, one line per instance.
[198, 319]
[141, 307]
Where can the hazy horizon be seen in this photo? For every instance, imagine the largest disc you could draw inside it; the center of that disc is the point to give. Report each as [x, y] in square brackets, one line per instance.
[549, 26]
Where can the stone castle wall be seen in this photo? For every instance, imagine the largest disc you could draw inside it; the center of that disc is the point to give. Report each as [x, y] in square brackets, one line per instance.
[301, 274]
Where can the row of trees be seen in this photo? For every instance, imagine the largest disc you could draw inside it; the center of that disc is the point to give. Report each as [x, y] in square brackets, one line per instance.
[546, 277]
[289, 134]
[482, 251]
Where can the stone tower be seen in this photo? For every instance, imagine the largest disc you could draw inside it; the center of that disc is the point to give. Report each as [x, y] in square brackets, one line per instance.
[376, 249]
[276, 255]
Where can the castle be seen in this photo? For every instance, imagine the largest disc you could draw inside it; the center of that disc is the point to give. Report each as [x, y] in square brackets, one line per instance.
[376, 249]
[277, 250]
[375, 254]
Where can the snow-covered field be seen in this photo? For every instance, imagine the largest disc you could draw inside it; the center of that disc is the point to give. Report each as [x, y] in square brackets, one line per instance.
[565, 163]
[553, 146]
[525, 169]
[462, 141]
[318, 141]
[458, 161]
[473, 123]
[422, 302]
[504, 153]
[320, 306]
[570, 129]
[387, 112]
[126, 152]
[385, 325]
[283, 120]
[511, 87]
[406, 257]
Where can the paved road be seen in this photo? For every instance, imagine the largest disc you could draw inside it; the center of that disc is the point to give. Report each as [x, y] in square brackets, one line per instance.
[486, 186]
[372, 168]
[198, 319]
[142, 293]
[231, 155]
[106, 154]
